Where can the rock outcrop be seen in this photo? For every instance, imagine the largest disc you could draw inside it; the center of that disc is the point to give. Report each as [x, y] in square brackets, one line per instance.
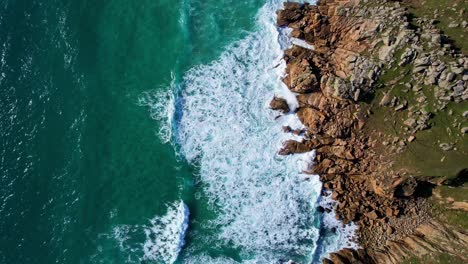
[330, 81]
[279, 104]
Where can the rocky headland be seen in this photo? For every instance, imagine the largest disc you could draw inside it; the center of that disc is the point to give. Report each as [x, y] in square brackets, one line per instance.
[382, 91]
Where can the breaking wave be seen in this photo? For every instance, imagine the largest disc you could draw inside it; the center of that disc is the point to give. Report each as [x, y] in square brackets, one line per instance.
[265, 206]
[164, 237]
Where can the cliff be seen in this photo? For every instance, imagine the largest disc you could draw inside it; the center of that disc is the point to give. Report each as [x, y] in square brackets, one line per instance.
[383, 95]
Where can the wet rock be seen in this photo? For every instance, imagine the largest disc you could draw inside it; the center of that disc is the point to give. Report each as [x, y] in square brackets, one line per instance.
[279, 104]
[292, 12]
[292, 146]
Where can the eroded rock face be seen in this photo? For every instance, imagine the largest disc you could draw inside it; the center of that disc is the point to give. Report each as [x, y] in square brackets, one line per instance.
[335, 65]
[279, 104]
[300, 77]
[430, 237]
[328, 81]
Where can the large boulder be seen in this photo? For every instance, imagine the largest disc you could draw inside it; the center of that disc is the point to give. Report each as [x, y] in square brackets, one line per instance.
[313, 119]
[300, 77]
[279, 104]
[292, 12]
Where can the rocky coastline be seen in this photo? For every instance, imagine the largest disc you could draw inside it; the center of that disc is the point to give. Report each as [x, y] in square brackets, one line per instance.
[342, 83]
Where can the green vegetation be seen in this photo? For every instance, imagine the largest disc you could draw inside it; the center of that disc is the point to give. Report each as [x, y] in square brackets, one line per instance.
[456, 218]
[423, 156]
[448, 12]
[459, 193]
[442, 258]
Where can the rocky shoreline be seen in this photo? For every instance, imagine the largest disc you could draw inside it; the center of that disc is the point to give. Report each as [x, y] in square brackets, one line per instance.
[353, 44]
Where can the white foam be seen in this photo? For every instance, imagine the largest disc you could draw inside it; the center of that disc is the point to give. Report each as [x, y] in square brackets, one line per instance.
[162, 108]
[302, 43]
[264, 205]
[164, 236]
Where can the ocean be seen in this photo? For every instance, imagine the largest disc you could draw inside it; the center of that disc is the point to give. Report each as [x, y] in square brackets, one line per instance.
[140, 132]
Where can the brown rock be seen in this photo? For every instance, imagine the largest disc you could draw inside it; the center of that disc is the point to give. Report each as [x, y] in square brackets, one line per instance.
[312, 119]
[291, 12]
[292, 146]
[389, 230]
[372, 215]
[279, 104]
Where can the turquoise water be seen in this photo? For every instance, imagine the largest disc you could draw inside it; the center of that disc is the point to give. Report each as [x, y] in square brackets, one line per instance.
[129, 127]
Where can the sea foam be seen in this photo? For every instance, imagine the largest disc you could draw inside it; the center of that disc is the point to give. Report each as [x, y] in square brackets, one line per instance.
[264, 205]
[222, 124]
[164, 236]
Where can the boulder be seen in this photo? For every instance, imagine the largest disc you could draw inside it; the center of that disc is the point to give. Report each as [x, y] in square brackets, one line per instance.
[279, 104]
[405, 188]
[312, 119]
[386, 99]
[292, 146]
[302, 80]
[291, 12]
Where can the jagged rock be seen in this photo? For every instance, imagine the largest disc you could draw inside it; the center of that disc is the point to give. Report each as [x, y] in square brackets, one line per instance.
[300, 78]
[372, 215]
[406, 188]
[292, 146]
[279, 104]
[342, 152]
[292, 12]
[407, 56]
[389, 230]
[401, 106]
[422, 62]
[450, 77]
[312, 119]
[364, 191]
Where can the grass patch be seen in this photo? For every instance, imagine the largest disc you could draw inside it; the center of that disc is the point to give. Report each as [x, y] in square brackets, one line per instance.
[459, 193]
[425, 157]
[456, 218]
[441, 258]
[449, 12]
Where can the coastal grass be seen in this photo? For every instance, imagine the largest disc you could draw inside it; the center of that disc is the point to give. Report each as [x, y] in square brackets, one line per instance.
[423, 156]
[440, 258]
[453, 217]
[454, 11]
[459, 193]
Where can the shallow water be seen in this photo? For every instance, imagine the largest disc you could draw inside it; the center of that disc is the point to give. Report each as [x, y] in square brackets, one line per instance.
[89, 175]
